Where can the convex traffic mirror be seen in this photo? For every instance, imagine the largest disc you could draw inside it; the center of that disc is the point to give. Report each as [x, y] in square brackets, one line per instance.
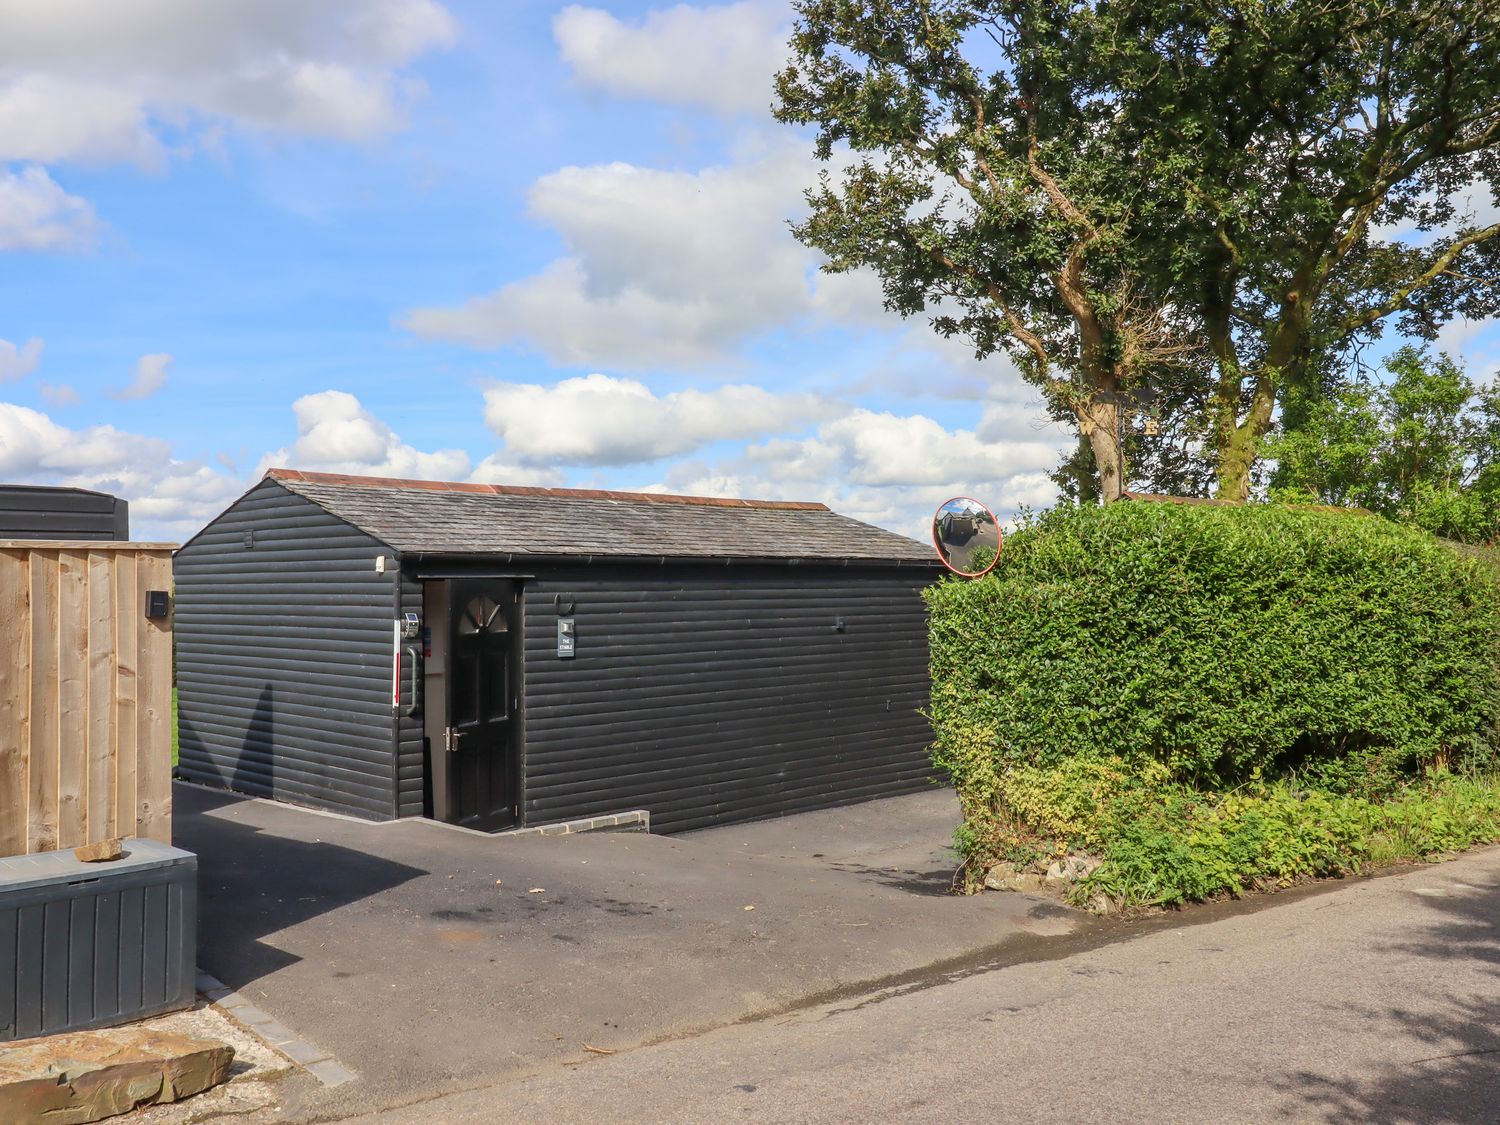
[966, 536]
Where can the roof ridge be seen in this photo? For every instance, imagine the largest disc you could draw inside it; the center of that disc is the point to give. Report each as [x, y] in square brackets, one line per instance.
[351, 481]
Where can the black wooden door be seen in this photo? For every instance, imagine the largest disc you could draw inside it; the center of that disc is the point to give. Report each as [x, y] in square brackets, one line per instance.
[482, 755]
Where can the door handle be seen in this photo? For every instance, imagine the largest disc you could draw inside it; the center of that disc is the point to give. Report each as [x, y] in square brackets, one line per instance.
[450, 740]
[411, 681]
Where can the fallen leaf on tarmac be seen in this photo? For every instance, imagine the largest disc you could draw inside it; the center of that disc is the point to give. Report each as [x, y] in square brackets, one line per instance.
[599, 1050]
[749, 908]
[497, 882]
[537, 890]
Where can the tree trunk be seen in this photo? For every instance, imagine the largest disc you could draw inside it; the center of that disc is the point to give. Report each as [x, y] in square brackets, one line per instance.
[1080, 468]
[1242, 443]
[1099, 422]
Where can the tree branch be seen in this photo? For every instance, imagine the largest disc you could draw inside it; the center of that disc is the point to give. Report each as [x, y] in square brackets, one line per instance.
[1055, 193]
[1440, 265]
[1018, 328]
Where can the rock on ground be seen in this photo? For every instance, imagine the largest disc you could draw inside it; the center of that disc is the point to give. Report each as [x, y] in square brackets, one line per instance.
[87, 1076]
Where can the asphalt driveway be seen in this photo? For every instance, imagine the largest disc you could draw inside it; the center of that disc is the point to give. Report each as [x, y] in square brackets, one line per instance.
[430, 959]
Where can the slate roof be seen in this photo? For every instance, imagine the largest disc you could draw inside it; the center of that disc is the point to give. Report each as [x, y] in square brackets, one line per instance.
[438, 518]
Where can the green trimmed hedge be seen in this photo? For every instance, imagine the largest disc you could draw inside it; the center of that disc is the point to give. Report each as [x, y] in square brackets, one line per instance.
[1212, 646]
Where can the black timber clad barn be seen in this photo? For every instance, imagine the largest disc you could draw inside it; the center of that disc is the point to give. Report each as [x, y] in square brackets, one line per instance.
[67, 514]
[729, 659]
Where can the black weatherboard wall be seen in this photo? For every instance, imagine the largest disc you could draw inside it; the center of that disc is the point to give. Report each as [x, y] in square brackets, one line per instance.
[734, 659]
[711, 694]
[283, 631]
[32, 512]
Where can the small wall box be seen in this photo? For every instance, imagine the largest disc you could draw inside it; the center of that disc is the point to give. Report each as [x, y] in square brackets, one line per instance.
[158, 604]
[96, 944]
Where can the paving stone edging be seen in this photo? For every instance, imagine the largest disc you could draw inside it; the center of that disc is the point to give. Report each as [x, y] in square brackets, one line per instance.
[636, 820]
[316, 1061]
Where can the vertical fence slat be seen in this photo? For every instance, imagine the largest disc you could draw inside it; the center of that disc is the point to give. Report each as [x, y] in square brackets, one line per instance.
[72, 672]
[42, 782]
[153, 768]
[15, 700]
[100, 753]
[127, 656]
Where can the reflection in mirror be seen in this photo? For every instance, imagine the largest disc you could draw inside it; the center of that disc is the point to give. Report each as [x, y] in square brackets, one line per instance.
[966, 536]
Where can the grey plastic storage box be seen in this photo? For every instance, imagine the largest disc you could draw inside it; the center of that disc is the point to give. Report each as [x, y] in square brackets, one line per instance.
[94, 944]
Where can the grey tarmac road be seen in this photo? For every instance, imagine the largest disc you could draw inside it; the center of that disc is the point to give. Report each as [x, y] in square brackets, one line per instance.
[1377, 1000]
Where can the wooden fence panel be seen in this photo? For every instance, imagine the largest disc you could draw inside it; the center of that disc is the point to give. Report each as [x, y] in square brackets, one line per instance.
[101, 690]
[15, 700]
[85, 695]
[72, 697]
[127, 655]
[43, 758]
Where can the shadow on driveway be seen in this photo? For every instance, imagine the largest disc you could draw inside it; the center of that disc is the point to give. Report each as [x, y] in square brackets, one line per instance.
[429, 959]
[252, 883]
[1453, 1041]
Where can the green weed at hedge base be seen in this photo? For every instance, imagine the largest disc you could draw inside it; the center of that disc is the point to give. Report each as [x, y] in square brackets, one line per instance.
[1194, 847]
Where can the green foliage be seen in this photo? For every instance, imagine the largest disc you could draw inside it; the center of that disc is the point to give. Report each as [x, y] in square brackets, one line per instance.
[1196, 845]
[1216, 640]
[1422, 448]
[1122, 665]
[1197, 200]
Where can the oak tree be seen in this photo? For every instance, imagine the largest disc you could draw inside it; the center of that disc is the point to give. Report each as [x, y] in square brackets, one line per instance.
[1205, 204]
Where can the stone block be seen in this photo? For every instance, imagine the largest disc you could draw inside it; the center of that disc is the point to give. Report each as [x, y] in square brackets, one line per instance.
[997, 875]
[302, 1052]
[102, 852]
[90, 1075]
[330, 1073]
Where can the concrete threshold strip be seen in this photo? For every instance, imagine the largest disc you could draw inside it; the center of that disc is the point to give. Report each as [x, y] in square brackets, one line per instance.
[632, 820]
[316, 1061]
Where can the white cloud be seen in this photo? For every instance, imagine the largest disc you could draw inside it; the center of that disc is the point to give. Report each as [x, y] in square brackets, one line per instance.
[1475, 344]
[1474, 205]
[48, 120]
[59, 396]
[893, 470]
[18, 362]
[167, 496]
[600, 420]
[150, 376]
[889, 449]
[37, 214]
[31, 443]
[108, 86]
[337, 434]
[663, 268]
[720, 58]
[496, 469]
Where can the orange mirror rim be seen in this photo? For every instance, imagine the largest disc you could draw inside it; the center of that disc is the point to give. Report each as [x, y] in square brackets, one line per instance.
[936, 546]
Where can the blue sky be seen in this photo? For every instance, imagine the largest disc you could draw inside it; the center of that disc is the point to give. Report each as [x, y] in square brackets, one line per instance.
[528, 243]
